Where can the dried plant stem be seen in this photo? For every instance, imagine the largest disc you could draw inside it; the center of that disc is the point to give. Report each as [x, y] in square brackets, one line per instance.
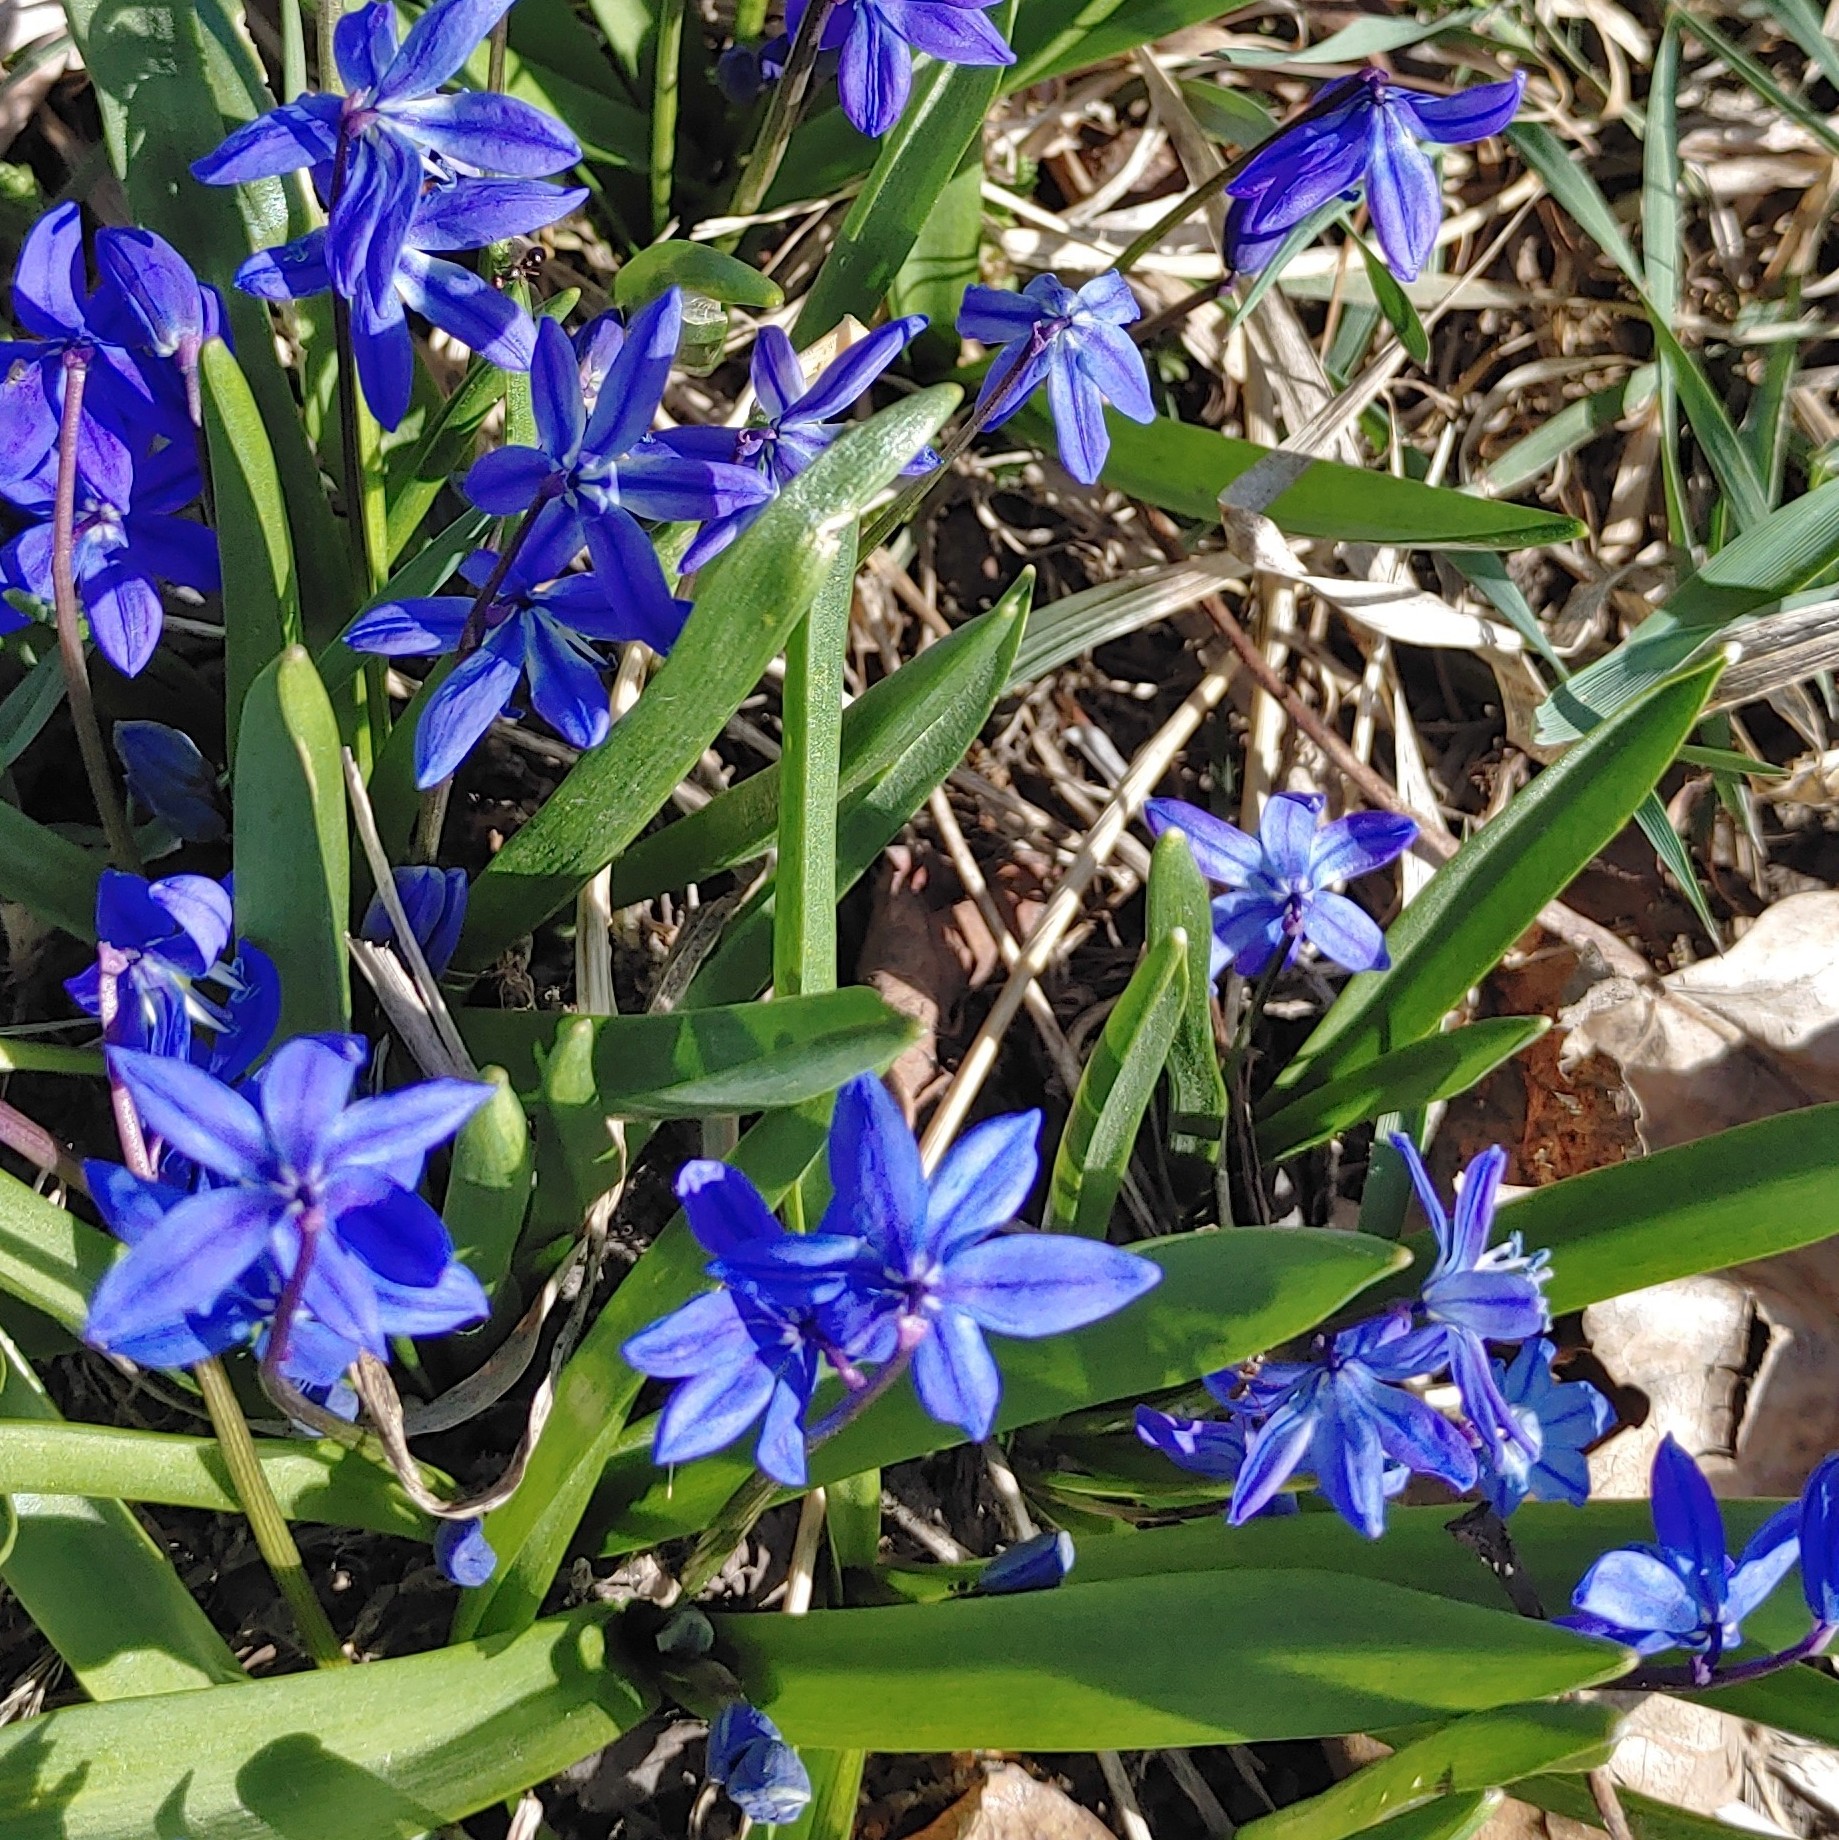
[1608, 1804]
[69, 620]
[782, 112]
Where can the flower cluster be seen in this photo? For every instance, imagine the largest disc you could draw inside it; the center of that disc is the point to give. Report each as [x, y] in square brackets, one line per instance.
[901, 1272]
[1344, 1415]
[122, 358]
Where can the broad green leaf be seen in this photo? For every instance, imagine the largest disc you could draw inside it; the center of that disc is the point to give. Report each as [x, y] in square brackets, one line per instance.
[699, 268]
[48, 874]
[1115, 1091]
[688, 1063]
[312, 1481]
[1801, 1700]
[748, 601]
[293, 872]
[532, 1531]
[940, 124]
[577, 1157]
[1449, 1817]
[260, 597]
[48, 1257]
[1178, 897]
[1223, 1297]
[389, 1751]
[943, 262]
[1491, 890]
[1438, 1067]
[92, 1580]
[488, 1191]
[1466, 1757]
[836, 1788]
[942, 688]
[1117, 1665]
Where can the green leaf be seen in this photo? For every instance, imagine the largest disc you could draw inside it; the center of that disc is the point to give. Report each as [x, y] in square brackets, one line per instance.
[836, 1788]
[1115, 1091]
[1394, 302]
[392, 1750]
[943, 261]
[943, 688]
[260, 597]
[1048, 42]
[1116, 1666]
[29, 705]
[1466, 1757]
[92, 1580]
[1223, 1297]
[48, 1257]
[1491, 890]
[1647, 1819]
[1801, 20]
[940, 124]
[748, 601]
[1438, 1067]
[47, 873]
[293, 873]
[1365, 38]
[1449, 1817]
[1179, 897]
[1573, 427]
[488, 1191]
[698, 268]
[688, 1063]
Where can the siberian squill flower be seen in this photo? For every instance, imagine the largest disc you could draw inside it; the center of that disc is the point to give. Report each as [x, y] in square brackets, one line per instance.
[1281, 880]
[379, 137]
[301, 1174]
[877, 39]
[1215, 1447]
[1557, 1422]
[534, 626]
[129, 539]
[1343, 1416]
[748, 1351]
[169, 777]
[1819, 1543]
[1476, 1293]
[1684, 1591]
[589, 476]
[464, 1554]
[760, 1771]
[165, 940]
[154, 303]
[801, 420]
[434, 904]
[1362, 128]
[1077, 344]
[1038, 1563]
[463, 214]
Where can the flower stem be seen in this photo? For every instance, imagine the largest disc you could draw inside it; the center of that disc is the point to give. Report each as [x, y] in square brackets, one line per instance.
[1179, 212]
[69, 615]
[1695, 1679]
[472, 634]
[782, 113]
[667, 65]
[266, 1521]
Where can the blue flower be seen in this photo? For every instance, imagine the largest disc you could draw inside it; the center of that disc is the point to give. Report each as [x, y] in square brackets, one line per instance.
[168, 775]
[128, 540]
[434, 902]
[381, 134]
[464, 1554]
[1367, 128]
[589, 476]
[1036, 1564]
[749, 1350]
[166, 939]
[1819, 1542]
[1215, 1447]
[463, 214]
[1342, 1415]
[1478, 1294]
[534, 626]
[1685, 1591]
[1281, 878]
[744, 73]
[321, 1185]
[1075, 342]
[760, 1771]
[152, 302]
[1556, 1423]
[938, 1270]
[801, 421]
[877, 39]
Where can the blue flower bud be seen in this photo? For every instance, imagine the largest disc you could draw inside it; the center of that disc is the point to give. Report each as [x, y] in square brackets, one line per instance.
[1037, 1564]
[739, 75]
[464, 1554]
[160, 296]
[434, 901]
[168, 775]
[760, 1771]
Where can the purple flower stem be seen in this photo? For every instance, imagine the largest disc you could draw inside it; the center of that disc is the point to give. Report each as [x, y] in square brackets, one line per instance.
[472, 634]
[28, 1138]
[110, 965]
[859, 1397]
[782, 112]
[1700, 1677]
[280, 1331]
[69, 617]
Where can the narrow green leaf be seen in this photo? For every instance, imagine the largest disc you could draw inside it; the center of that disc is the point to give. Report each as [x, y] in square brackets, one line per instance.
[1395, 304]
[1801, 20]
[1438, 1067]
[488, 1191]
[1115, 1091]
[29, 705]
[1449, 1817]
[293, 874]
[1365, 38]
[1179, 897]
[1573, 427]
[393, 1750]
[1487, 895]
[1647, 1819]
[943, 261]
[1051, 37]
[748, 602]
[836, 1788]
[260, 597]
[1116, 1666]
[1676, 859]
[940, 124]
[48, 874]
[698, 268]
[48, 1257]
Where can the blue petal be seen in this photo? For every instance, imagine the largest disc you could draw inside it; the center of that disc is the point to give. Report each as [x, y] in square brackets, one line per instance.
[456, 1299]
[627, 596]
[1409, 1431]
[555, 395]
[1036, 1564]
[472, 212]
[476, 128]
[160, 292]
[875, 76]
[196, 1115]
[1819, 1537]
[1079, 418]
[364, 43]
[396, 1233]
[846, 379]
[301, 133]
[1635, 1590]
[398, 1129]
[439, 42]
[565, 687]
[956, 1376]
[1474, 1223]
[1687, 1519]
[385, 356]
[1222, 852]
[948, 31]
[1031, 1285]
[1248, 928]
[1108, 299]
[726, 1212]
[634, 386]
[1112, 364]
[464, 1554]
[1287, 831]
[305, 1086]
[996, 316]
[780, 1449]
[981, 1185]
[708, 1329]
[879, 1189]
[200, 909]
[370, 221]
[125, 615]
[483, 318]
[1498, 1306]
[1272, 1454]
[1357, 845]
[507, 480]
[1349, 1463]
[714, 1406]
[777, 376]
[466, 704]
[1402, 194]
[341, 1291]
[1344, 933]
[49, 290]
[656, 483]
[1206, 1446]
[412, 628]
[1469, 115]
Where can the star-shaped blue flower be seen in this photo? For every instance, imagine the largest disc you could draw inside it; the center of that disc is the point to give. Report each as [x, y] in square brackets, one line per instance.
[1073, 342]
[1282, 878]
[1557, 1424]
[1363, 128]
[877, 39]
